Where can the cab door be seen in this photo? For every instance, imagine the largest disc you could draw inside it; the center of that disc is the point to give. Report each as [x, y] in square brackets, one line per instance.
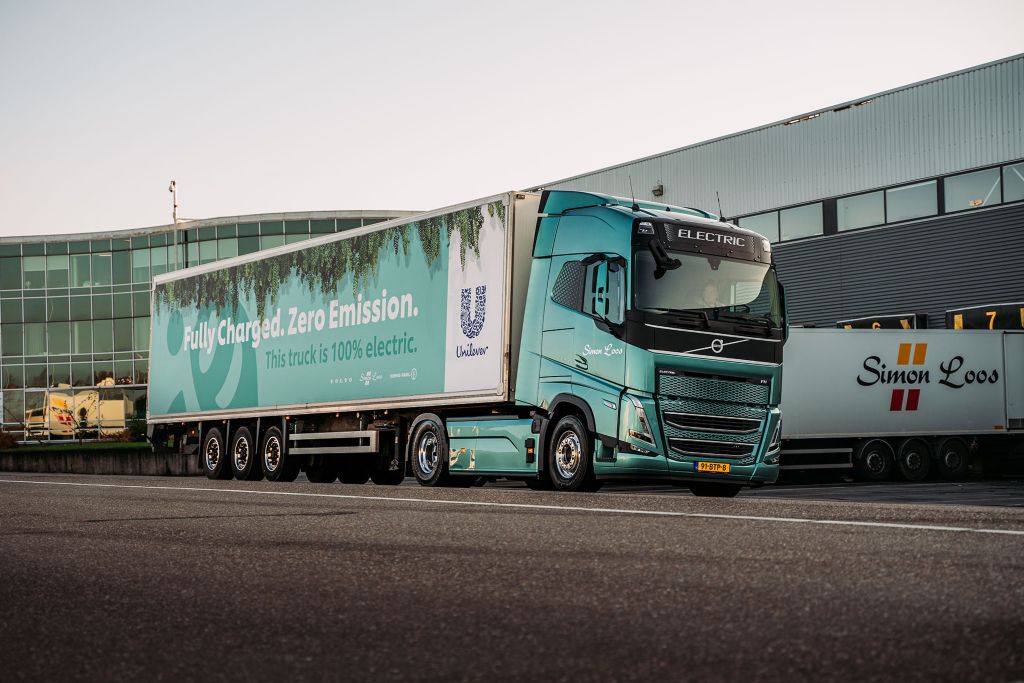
[598, 355]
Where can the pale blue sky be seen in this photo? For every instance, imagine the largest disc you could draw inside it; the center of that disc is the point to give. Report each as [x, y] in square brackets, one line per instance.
[261, 106]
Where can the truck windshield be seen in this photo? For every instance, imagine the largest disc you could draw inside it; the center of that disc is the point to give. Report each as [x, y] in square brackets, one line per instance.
[722, 288]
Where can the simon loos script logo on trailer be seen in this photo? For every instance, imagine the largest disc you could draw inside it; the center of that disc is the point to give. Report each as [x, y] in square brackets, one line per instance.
[911, 373]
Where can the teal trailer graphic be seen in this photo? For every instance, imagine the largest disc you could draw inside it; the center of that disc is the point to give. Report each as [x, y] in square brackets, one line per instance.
[403, 311]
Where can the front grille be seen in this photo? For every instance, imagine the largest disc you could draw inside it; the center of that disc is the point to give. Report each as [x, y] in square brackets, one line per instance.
[713, 389]
[721, 449]
[712, 423]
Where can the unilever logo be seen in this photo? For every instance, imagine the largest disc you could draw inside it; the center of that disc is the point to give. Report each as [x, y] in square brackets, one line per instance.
[472, 326]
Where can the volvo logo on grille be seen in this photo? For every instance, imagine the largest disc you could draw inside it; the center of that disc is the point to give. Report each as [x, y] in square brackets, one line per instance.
[717, 345]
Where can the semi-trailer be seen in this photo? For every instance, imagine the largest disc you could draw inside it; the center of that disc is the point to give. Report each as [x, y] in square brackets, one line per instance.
[902, 402]
[562, 338]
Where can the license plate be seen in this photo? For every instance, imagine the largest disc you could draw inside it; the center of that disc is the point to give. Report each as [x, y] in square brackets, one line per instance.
[720, 467]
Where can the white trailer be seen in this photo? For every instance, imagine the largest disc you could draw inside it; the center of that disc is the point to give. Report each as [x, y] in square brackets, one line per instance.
[881, 402]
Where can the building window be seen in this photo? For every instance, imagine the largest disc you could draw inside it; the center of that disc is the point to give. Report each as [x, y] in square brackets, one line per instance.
[911, 201]
[101, 269]
[140, 265]
[80, 270]
[122, 261]
[10, 273]
[1013, 182]
[11, 340]
[766, 224]
[34, 271]
[57, 270]
[973, 190]
[35, 340]
[800, 221]
[207, 252]
[860, 211]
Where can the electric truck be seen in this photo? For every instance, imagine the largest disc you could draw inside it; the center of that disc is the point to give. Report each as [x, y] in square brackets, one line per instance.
[561, 338]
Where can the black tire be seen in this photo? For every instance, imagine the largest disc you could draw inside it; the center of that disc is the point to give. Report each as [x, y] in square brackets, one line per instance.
[914, 459]
[245, 459]
[428, 452]
[383, 477]
[873, 460]
[540, 484]
[569, 462]
[952, 458]
[277, 463]
[353, 470]
[214, 456]
[323, 470]
[706, 489]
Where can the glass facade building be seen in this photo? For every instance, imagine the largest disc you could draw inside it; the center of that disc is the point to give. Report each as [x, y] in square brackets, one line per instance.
[74, 314]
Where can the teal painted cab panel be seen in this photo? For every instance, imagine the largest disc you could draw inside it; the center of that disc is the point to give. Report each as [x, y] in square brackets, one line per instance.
[490, 446]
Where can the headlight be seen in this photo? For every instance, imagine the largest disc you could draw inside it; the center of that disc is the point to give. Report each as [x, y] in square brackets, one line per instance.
[644, 433]
[774, 454]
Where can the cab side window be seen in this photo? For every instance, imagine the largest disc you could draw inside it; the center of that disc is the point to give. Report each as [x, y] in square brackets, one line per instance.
[594, 287]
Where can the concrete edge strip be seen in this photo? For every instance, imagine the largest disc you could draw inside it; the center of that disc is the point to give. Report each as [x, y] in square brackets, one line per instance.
[534, 506]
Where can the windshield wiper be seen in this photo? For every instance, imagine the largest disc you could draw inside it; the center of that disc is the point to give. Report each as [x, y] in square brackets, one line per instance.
[762, 320]
[682, 316]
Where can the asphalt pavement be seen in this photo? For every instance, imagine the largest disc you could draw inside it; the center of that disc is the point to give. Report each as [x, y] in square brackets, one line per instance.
[132, 578]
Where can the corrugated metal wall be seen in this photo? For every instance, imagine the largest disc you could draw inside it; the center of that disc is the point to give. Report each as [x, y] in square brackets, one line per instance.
[928, 266]
[952, 123]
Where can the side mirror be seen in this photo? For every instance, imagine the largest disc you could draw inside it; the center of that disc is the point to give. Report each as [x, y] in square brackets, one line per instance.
[785, 313]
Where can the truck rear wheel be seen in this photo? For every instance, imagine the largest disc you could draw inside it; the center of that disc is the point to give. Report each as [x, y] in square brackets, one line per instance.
[429, 453]
[277, 464]
[245, 463]
[914, 459]
[216, 463]
[952, 458]
[569, 458]
[354, 470]
[873, 460]
[322, 470]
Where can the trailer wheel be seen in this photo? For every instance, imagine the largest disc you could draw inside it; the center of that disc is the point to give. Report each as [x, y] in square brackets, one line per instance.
[569, 457]
[216, 463]
[914, 459]
[244, 457]
[277, 464]
[322, 470]
[706, 489]
[952, 458]
[384, 477]
[354, 470]
[429, 453]
[873, 460]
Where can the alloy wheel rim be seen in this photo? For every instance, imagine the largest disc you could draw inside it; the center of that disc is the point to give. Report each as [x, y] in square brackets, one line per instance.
[272, 454]
[241, 454]
[568, 455]
[212, 454]
[426, 453]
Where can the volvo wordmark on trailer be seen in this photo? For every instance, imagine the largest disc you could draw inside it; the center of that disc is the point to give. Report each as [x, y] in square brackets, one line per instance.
[910, 402]
[562, 338]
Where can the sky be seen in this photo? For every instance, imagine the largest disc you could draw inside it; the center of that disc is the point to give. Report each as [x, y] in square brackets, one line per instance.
[256, 107]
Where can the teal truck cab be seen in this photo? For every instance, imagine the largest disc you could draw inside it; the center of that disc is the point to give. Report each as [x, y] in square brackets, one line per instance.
[659, 331]
[560, 338]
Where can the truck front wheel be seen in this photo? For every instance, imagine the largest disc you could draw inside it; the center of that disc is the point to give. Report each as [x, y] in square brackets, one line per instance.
[216, 463]
[569, 458]
[277, 464]
[429, 453]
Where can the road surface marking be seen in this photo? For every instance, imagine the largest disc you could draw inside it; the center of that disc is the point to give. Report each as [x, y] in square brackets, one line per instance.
[533, 506]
